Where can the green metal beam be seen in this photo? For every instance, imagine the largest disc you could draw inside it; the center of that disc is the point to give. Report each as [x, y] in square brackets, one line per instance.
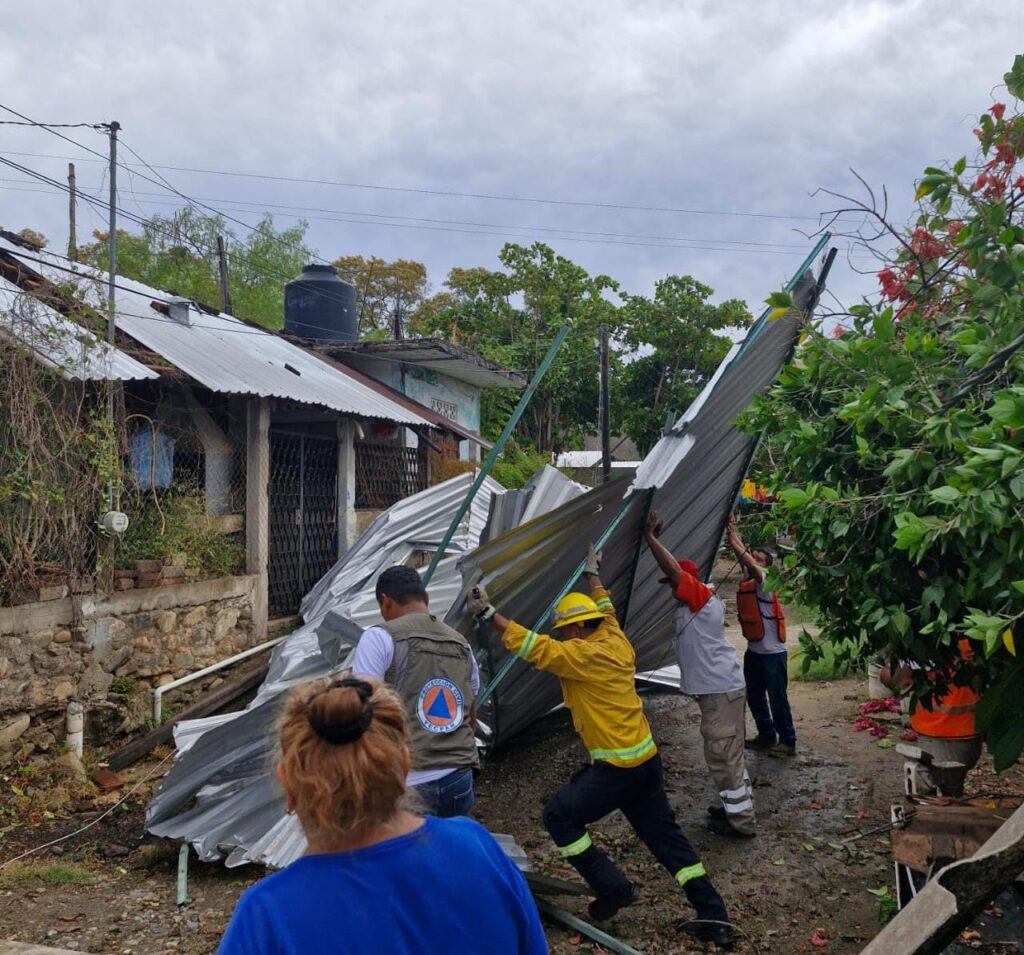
[585, 928]
[499, 446]
[488, 690]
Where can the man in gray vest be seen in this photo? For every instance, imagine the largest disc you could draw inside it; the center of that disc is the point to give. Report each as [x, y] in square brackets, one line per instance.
[433, 670]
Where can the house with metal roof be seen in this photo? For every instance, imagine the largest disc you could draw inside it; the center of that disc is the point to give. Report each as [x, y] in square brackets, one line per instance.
[438, 374]
[281, 444]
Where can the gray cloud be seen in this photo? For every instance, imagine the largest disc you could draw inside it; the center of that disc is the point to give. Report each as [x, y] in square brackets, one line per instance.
[729, 106]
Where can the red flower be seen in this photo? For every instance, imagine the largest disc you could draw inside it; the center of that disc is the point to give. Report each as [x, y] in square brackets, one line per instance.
[998, 111]
[954, 227]
[1005, 153]
[892, 287]
[926, 245]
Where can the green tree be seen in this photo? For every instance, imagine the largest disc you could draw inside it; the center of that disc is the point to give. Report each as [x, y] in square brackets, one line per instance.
[178, 253]
[511, 316]
[385, 291]
[903, 443]
[675, 342]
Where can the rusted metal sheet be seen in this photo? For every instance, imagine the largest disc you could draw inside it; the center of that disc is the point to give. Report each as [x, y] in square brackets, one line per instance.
[940, 834]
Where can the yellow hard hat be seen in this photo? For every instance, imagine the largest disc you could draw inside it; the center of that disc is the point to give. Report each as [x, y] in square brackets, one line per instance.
[575, 608]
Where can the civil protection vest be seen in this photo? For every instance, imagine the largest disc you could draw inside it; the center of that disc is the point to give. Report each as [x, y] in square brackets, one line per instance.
[431, 673]
[754, 608]
[952, 716]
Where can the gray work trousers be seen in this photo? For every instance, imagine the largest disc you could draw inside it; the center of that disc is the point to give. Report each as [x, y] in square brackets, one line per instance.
[723, 728]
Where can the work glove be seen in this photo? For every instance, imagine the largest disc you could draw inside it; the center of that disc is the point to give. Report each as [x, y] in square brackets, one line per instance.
[593, 565]
[479, 604]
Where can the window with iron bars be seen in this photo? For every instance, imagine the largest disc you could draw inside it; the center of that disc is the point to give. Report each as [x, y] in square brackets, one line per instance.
[387, 473]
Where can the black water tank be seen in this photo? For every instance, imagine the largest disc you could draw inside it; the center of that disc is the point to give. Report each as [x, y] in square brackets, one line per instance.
[320, 305]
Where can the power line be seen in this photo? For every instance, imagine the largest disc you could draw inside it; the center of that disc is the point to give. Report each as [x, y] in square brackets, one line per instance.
[483, 225]
[453, 193]
[763, 248]
[14, 122]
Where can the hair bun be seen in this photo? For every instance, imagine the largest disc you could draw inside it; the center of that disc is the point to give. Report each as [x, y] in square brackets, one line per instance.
[342, 711]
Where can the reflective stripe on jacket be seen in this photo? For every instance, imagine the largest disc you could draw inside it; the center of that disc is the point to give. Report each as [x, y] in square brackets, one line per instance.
[597, 676]
[952, 716]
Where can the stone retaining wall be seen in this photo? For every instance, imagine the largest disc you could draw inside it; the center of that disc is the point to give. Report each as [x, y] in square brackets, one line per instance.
[107, 651]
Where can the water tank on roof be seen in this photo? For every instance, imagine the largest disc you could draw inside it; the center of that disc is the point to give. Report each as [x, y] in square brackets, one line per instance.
[320, 305]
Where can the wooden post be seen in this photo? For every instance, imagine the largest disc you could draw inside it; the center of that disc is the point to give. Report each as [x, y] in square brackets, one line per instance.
[257, 509]
[606, 453]
[72, 203]
[225, 291]
[347, 529]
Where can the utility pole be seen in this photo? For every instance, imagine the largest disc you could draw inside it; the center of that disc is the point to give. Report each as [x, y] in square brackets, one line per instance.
[606, 452]
[112, 244]
[111, 285]
[72, 203]
[222, 257]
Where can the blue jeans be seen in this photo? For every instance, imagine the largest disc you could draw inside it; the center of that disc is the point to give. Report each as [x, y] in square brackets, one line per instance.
[767, 676]
[451, 795]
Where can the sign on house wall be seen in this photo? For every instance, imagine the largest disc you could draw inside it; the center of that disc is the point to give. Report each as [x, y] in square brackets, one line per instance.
[447, 396]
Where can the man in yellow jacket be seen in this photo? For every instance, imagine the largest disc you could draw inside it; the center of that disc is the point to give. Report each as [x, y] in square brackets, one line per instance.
[596, 666]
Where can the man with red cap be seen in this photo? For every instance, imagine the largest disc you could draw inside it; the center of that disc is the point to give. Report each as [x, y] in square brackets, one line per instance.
[710, 672]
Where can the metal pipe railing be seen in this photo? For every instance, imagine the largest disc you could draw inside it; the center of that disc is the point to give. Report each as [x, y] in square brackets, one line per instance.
[159, 692]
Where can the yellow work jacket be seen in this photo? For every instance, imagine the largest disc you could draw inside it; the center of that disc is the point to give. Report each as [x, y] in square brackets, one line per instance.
[597, 675]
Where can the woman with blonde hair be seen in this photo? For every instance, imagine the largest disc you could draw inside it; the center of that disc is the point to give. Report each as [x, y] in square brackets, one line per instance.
[376, 877]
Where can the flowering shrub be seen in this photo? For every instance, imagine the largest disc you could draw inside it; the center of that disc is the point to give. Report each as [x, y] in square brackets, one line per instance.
[903, 442]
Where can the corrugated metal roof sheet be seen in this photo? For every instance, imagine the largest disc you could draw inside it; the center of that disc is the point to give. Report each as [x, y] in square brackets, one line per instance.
[61, 343]
[220, 352]
[435, 353]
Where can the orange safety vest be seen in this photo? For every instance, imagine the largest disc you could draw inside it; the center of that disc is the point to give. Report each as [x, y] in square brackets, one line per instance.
[952, 716]
[753, 610]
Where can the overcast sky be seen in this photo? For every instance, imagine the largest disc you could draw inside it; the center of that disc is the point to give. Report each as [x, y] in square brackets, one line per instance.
[724, 108]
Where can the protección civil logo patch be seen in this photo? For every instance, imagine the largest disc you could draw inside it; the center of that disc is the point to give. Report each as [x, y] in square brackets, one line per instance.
[440, 706]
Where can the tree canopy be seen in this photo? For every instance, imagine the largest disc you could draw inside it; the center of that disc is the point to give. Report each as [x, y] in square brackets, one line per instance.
[178, 253]
[900, 441]
[663, 348]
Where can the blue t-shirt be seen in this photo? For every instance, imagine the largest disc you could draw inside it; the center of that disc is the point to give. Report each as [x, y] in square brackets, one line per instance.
[445, 887]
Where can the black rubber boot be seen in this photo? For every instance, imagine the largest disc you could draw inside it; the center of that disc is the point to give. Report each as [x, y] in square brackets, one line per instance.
[722, 827]
[719, 933]
[603, 877]
[761, 742]
[605, 907]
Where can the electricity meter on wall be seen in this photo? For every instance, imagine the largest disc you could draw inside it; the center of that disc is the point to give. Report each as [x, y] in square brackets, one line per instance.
[114, 522]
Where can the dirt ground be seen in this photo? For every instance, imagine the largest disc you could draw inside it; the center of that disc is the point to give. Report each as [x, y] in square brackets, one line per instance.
[112, 890]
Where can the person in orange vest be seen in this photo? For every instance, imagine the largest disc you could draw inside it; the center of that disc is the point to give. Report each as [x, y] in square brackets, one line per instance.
[596, 667]
[766, 662]
[945, 727]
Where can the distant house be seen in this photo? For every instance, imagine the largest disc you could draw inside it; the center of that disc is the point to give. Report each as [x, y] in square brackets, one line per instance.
[585, 466]
[441, 376]
[282, 444]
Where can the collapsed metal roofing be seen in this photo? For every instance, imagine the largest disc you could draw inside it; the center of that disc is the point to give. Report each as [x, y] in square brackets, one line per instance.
[220, 794]
[219, 351]
[691, 477]
[62, 344]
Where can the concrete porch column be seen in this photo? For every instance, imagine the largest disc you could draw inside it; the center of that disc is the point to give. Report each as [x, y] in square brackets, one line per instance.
[257, 508]
[347, 531]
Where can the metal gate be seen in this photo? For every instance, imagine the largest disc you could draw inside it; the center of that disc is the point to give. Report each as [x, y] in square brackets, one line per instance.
[303, 516]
